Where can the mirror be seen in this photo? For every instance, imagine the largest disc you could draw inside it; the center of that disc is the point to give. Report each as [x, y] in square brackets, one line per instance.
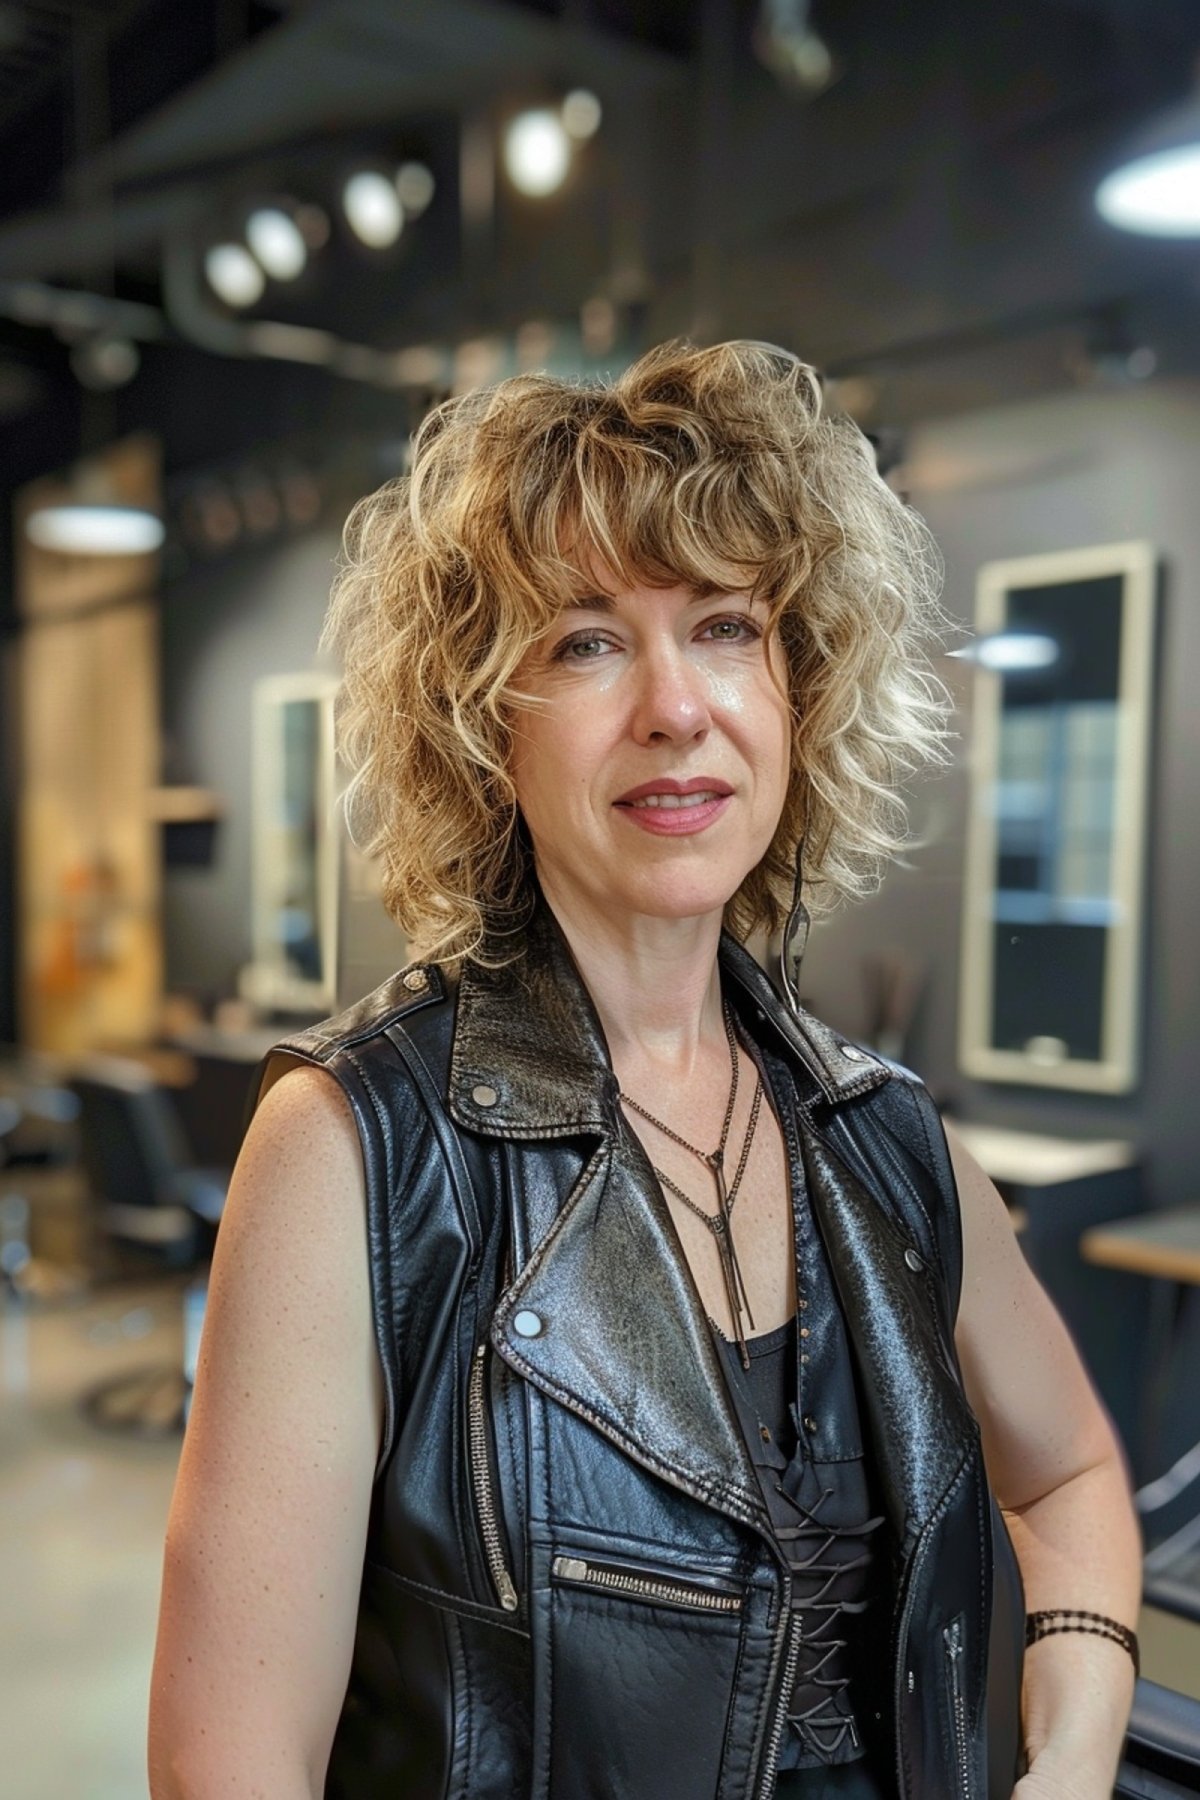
[295, 875]
[1056, 832]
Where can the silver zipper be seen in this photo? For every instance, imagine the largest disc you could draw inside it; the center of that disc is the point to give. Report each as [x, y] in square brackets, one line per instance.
[785, 1699]
[643, 1587]
[481, 1481]
[901, 1639]
[952, 1645]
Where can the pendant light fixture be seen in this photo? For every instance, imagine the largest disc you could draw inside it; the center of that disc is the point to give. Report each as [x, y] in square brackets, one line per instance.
[93, 520]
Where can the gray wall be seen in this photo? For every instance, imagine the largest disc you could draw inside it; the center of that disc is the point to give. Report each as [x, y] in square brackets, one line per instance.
[1056, 474]
[225, 626]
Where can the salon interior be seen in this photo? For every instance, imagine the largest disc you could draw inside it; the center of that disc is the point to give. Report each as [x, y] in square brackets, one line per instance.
[245, 245]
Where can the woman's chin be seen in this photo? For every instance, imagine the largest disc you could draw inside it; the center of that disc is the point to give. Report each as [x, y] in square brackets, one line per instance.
[674, 900]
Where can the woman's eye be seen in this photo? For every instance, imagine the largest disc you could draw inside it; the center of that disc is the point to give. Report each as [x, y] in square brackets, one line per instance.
[584, 647]
[732, 631]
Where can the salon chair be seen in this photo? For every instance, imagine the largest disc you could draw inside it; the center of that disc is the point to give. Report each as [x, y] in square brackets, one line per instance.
[152, 1206]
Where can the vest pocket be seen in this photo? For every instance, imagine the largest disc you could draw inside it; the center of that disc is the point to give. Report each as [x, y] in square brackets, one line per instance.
[954, 1659]
[483, 1482]
[635, 1674]
[655, 1586]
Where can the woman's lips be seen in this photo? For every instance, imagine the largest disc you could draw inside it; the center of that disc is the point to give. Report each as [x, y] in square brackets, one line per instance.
[675, 814]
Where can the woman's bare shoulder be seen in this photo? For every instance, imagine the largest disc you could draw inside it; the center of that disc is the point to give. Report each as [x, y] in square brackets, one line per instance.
[304, 1097]
[291, 1256]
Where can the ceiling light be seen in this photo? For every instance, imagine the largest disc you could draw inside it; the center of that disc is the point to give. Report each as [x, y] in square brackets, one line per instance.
[233, 274]
[537, 152]
[788, 46]
[373, 208]
[415, 185]
[277, 241]
[581, 113]
[102, 363]
[95, 530]
[1156, 190]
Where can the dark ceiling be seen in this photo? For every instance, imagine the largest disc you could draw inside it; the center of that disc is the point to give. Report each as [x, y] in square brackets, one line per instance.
[923, 228]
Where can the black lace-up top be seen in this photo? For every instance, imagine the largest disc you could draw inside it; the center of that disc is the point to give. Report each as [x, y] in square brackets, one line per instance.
[799, 1413]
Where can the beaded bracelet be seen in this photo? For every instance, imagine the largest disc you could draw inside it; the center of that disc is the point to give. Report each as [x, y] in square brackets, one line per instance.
[1066, 1618]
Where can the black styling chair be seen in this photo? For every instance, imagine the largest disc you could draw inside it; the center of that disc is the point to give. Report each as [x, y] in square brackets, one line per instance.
[156, 1208]
[1161, 1759]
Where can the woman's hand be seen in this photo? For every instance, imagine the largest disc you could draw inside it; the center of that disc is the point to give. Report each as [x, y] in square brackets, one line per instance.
[1049, 1779]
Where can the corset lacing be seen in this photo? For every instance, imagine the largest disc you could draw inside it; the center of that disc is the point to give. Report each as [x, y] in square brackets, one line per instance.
[816, 1553]
[817, 1509]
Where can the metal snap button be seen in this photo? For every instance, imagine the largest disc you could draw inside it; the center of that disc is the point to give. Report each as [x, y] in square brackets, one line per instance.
[853, 1053]
[483, 1095]
[810, 1424]
[914, 1261]
[416, 981]
[804, 1331]
[528, 1324]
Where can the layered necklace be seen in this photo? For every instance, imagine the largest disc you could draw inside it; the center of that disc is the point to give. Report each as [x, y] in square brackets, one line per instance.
[714, 1160]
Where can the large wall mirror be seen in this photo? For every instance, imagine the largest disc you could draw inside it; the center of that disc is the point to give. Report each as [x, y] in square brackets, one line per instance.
[295, 876]
[1056, 834]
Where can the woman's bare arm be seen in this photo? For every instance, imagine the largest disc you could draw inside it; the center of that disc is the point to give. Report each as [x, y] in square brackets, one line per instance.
[1059, 1475]
[267, 1527]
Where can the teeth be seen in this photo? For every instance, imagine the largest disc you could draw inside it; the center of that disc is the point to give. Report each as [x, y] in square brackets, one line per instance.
[673, 802]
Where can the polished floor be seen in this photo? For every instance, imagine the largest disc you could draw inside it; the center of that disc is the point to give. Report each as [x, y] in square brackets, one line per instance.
[82, 1512]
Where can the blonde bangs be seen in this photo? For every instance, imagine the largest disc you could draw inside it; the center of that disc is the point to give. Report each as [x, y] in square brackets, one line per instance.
[717, 469]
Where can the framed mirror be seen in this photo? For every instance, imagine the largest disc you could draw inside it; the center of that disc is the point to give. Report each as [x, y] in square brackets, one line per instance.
[296, 840]
[1057, 822]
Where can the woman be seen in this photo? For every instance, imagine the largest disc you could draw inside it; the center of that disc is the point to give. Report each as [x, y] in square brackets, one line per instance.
[602, 1380]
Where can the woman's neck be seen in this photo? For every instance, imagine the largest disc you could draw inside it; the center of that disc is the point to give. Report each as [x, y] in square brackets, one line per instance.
[654, 982]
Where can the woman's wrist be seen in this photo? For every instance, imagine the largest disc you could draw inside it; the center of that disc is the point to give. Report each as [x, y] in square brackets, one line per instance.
[1078, 1691]
[1056, 1620]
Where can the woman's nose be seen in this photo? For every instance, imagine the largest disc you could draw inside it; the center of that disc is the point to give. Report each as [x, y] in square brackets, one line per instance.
[672, 699]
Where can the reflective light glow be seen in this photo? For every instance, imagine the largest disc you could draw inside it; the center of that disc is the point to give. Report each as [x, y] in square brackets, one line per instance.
[233, 274]
[95, 530]
[1007, 652]
[1158, 195]
[373, 209]
[415, 185]
[581, 113]
[537, 152]
[277, 241]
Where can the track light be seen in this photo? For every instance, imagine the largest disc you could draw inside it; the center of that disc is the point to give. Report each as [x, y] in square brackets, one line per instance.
[373, 208]
[277, 241]
[234, 275]
[787, 45]
[415, 185]
[537, 152]
[581, 114]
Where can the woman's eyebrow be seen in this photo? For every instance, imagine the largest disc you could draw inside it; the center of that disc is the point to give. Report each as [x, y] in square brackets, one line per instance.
[601, 603]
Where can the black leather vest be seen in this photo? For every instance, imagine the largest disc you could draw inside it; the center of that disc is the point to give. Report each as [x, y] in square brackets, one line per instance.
[569, 1590]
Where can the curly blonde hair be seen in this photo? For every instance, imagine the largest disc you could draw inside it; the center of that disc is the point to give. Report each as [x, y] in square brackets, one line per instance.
[716, 468]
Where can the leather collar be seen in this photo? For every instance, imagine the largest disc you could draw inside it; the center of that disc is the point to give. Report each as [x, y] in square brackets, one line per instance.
[530, 1060]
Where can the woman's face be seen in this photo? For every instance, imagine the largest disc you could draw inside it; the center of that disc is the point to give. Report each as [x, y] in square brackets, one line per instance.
[652, 776]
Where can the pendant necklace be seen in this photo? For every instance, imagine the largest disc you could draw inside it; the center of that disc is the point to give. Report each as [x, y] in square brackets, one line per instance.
[719, 1222]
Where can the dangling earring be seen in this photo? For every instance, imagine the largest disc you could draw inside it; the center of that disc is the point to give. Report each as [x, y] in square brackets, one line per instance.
[795, 935]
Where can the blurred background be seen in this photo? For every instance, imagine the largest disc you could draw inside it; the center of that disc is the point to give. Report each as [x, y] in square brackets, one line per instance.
[244, 246]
